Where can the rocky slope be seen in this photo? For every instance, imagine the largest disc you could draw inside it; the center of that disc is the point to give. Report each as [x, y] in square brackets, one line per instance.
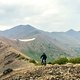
[11, 58]
[49, 72]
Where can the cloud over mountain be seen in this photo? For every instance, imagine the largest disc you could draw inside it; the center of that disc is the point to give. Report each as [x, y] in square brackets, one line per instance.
[50, 15]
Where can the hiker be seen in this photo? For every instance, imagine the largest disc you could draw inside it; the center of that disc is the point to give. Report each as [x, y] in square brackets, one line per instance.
[43, 57]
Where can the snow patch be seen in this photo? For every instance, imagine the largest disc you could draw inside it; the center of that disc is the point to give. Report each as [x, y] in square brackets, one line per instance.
[24, 40]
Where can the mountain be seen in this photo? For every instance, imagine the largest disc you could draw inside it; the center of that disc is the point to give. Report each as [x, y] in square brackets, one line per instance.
[68, 37]
[23, 43]
[20, 31]
[33, 42]
[42, 43]
[73, 33]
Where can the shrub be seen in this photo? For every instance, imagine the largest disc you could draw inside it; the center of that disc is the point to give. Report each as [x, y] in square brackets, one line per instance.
[74, 60]
[26, 59]
[49, 63]
[32, 61]
[20, 57]
[62, 60]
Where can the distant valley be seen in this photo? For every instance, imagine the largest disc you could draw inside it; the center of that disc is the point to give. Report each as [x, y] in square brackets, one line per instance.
[33, 42]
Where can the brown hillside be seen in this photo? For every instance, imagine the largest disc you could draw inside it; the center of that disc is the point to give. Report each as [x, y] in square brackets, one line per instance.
[11, 58]
[49, 72]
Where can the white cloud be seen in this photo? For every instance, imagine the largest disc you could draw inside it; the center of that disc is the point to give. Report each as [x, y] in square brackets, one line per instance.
[50, 15]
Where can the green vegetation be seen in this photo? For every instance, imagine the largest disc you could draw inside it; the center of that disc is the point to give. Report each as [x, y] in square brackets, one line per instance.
[74, 60]
[52, 58]
[62, 60]
[20, 57]
[32, 61]
[65, 60]
[36, 54]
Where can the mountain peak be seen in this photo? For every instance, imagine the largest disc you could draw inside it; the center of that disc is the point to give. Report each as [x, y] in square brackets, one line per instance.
[24, 26]
[20, 31]
[71, 30]
[20, 28]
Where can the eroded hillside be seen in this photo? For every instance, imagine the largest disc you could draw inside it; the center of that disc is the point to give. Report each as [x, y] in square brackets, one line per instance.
[11, 58]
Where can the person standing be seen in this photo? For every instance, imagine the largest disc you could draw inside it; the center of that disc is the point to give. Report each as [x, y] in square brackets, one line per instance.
[43, 57]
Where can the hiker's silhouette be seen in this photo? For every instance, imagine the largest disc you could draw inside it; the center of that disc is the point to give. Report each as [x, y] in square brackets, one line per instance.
[43, 57]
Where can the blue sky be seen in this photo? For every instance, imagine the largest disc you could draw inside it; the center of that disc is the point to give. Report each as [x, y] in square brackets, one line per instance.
[48, 15]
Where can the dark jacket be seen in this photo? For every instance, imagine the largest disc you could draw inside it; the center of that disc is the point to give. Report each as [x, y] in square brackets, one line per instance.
[43, 56]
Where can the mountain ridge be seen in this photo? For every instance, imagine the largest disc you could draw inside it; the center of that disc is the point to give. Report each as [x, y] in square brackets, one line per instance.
[54, 44]
[24, 43]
